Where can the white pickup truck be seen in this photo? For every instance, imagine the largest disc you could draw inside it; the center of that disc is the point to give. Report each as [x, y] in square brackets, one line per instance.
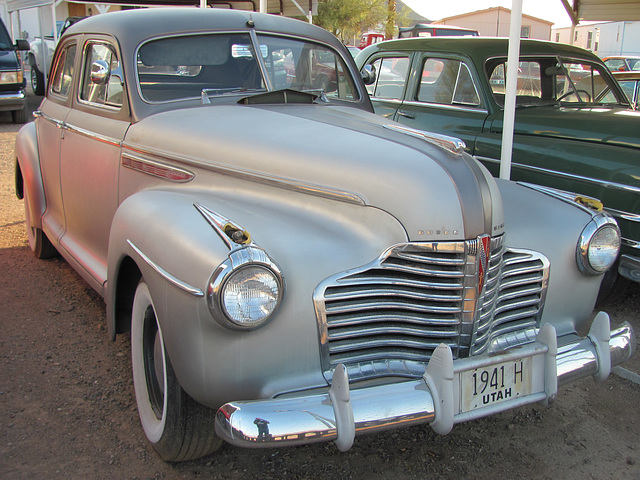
[40, 56]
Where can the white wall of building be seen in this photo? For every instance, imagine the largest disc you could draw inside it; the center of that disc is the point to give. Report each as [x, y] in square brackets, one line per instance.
[604, 39]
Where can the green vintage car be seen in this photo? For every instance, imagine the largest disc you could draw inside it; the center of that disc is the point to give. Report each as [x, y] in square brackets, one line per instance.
[575, 129]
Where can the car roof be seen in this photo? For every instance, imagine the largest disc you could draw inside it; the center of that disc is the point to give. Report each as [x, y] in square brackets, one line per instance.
[481, 47]
[131, 27]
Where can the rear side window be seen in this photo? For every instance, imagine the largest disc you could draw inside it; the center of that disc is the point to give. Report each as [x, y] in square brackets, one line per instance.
[447, 82]
[391, 77]
[63, 72]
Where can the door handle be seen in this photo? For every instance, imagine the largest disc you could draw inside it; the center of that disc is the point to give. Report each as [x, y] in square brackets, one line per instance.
[406, 115]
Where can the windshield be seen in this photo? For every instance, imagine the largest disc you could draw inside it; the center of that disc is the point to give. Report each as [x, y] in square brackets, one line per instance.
[186, 67]
[545, 81]
[5, 39]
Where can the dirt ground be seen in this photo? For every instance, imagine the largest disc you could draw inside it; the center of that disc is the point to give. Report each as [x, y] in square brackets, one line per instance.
[67, 407]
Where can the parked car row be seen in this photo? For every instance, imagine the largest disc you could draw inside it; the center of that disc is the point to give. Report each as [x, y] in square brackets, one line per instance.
[574, 128]
[12, 81]
[293, 268]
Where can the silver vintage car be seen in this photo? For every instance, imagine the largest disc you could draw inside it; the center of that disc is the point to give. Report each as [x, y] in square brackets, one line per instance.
[291, 267]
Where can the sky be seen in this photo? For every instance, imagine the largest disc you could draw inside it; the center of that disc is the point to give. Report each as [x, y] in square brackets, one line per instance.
[551, 10]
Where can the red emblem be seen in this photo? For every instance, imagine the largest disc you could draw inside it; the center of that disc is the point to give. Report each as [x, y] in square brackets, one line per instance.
[484, 252]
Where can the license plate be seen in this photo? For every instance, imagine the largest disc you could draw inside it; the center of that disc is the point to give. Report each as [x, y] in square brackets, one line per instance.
[486, 386]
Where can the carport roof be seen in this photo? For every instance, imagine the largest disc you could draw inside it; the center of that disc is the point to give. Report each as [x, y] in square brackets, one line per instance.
[289, 8]
[602, 10]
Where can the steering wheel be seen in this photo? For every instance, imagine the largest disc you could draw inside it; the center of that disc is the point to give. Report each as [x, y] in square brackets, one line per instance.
[587, 94]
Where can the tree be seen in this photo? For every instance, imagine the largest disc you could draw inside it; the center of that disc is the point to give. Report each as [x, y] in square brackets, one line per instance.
[349, 18]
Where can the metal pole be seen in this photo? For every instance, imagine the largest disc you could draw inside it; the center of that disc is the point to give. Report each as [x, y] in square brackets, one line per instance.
[511, 91]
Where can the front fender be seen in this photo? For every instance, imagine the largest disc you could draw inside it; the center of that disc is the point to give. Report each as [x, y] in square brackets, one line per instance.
[28, 174]
[310, 238]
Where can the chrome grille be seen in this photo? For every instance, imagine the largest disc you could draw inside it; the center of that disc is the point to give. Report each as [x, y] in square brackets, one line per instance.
[387, 317]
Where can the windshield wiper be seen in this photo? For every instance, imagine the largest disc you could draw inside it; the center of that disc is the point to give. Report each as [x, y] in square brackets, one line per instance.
[225, 91]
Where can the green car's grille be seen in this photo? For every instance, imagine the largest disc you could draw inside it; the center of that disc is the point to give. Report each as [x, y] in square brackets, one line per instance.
[387, 317]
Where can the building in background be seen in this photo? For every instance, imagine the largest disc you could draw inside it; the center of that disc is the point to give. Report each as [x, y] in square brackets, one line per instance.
[495, 22]
[605, 38]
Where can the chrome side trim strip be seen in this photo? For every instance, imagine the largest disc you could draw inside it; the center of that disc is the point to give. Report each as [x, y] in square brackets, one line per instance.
[458, 108]
[95, 136]
[632, 217]
[166, 275]
[44, 116]
[280, 182]
[452, 144]
[601, 183]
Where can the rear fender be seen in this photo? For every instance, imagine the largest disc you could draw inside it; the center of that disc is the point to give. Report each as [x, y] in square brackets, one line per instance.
[28, 174]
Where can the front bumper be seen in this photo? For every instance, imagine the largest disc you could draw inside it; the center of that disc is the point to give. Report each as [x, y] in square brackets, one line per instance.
[435, 399]
[12, 100]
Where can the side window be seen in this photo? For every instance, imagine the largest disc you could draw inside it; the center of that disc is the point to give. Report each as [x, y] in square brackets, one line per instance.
[529, 86]
[63, 76]
[391, 76]
[447, 82]
[102, 76]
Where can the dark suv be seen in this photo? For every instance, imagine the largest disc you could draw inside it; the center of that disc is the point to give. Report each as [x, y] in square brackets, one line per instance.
[12, 81]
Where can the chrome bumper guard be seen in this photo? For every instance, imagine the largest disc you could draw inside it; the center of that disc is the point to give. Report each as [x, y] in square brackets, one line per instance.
[340, 414]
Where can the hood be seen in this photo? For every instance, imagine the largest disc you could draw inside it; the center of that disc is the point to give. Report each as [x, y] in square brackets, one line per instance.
[435, 194]
[8, 60]
[616, 126]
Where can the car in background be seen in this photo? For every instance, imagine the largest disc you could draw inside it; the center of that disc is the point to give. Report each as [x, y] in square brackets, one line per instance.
[435, 30]
[12, 82]
[630, 83]
[281, 280]
[622, 63]
[575, 130]
[41, 53]
[353, 50]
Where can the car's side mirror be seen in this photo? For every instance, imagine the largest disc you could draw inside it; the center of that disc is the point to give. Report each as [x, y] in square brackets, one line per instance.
[368, 73]
[100, 72]
[22, 44]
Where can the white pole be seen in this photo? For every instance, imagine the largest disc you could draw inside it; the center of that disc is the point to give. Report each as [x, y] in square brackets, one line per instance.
[263, 6]
[512, 84]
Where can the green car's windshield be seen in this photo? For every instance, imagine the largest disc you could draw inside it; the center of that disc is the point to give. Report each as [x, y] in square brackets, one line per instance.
[214, 65]
[545, 81]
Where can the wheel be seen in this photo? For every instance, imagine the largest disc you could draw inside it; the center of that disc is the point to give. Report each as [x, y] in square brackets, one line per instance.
[39, 244]
[19, 116]
[37, 78]
[178, 427]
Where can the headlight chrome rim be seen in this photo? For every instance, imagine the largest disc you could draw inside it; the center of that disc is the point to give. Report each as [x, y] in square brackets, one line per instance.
[592, 260]
[240, 261]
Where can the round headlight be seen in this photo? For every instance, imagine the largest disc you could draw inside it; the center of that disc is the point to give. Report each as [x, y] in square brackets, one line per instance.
[599, 245]
[250, 296]
[246, 289]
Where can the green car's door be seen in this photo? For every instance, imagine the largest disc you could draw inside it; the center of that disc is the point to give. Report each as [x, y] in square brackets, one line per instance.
[442, 97]
[392, 74]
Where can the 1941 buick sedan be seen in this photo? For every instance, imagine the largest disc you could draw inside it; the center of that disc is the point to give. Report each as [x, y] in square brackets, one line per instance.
[291, 267]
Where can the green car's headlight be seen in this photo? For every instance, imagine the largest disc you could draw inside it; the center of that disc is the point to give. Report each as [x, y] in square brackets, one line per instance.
[599, 245]
[246, 290]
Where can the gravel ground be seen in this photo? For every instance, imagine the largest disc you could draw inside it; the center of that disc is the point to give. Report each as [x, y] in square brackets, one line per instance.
[67, 407]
